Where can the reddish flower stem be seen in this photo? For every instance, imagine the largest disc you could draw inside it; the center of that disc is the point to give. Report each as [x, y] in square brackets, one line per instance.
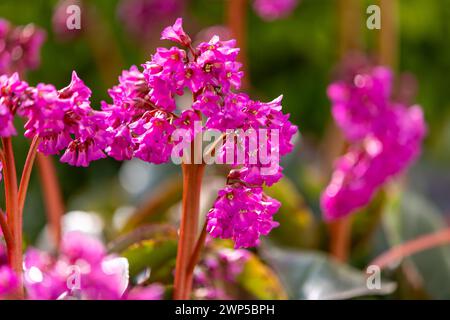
[6, 232]
[236, 20]
[409, 248]
[195, 257]
[192, 180]
[340, 236]
[26, 174]
[388, 34]
[51, 191]
[12, 212]
[349, 18]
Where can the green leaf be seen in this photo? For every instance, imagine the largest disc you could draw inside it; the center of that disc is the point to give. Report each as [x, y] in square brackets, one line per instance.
[297, 225]
[409, 217]
[260, 281]
[152, 246]
[315, 276]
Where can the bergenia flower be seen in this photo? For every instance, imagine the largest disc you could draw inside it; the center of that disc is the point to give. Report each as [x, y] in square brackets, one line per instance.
[142, 17]
[144, 115]
[8, 279]
[274, 9]
[384, 136]
[176, 33]
[61, 119]
[12, 91]
[242, 214]
[83, 270]
[20, 49]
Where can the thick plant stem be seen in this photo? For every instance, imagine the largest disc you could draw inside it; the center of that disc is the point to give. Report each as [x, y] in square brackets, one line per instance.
[349, 30]
[350, 17]
[12, 212]
[236, 15]
[195, 257]
[6, 232]
[26, 174]
[192, 181]
[51, 191]
[340, 234]
[388, 35]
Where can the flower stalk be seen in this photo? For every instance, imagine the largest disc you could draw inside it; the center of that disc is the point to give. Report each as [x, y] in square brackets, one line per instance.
[349, 42]
[5, 230]
[51, 190]
[15, 199]
[236, 16]
[12, 212]
[195, 257]
[26, 174]
[192, 179]
[409, 248]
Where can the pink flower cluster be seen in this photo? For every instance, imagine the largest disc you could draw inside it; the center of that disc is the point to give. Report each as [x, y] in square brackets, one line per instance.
[19, 47]
[83, 270]
[61, 119]
[243, 214]
[144, 115]
[8, 279]
[384, 136]
[274, 9]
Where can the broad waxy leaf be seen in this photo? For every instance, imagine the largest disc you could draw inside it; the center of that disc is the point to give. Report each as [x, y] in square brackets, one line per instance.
[314, 276]
[151, 246]
[260, 281]
[409, 217]
[297, 225]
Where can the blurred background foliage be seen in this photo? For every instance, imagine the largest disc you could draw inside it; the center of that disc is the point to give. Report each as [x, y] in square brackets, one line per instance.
[294, 56]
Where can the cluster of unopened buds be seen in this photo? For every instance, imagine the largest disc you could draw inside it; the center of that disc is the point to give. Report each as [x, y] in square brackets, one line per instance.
[384, 137]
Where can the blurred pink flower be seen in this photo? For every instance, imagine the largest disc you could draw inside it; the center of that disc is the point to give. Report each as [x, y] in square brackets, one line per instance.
[19, 47]
[143, 17]
[384, 136]
[8, 281]
[83, 270]
[274, 9]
